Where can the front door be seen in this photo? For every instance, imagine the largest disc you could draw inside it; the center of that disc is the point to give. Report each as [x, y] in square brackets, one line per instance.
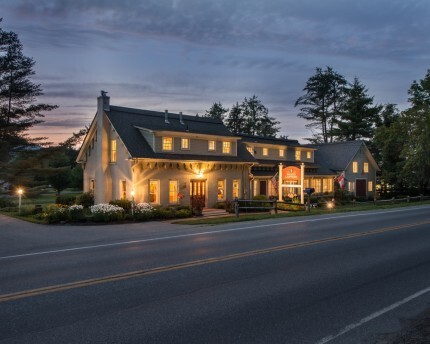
[263, 187]
[360, 187]
[198, 188]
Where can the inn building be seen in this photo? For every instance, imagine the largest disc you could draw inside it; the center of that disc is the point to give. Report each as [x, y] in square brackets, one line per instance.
[164, 159]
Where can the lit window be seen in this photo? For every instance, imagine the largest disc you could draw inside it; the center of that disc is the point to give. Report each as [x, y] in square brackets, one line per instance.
[221, 189]
[123, 189]
[226, 147]
[154, 191]
[308, 155]
[265, 151]
[250, 150]
[185, 143]
[370, 186]
[366, 167]
[298, 155]
[211, 145]
[173, 191]
[354, 167]
[167, 143]
[351, 186]
[281, 153]
[113, 151]
[235, 188]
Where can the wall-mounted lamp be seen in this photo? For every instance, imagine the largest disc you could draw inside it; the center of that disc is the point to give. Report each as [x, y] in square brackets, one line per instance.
[200, 175]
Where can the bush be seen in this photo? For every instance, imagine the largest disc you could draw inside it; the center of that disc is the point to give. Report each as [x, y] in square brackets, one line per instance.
[7, 202]
[342, 196]
[197, 204]
[143, 211]
[54, 214]
[76, 213]
[123, 203]
[86, 199]
[165, 213]
[106, 212]
[65, 199]
[184, 213]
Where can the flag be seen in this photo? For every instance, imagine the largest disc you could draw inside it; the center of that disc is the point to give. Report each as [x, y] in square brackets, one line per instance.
[274, 181]
[341, 180]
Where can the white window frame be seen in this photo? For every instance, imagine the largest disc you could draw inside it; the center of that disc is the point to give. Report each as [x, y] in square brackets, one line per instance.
[354, 167]
[265, 151]
[174, 181]
[298, 155]
[164, 144]
[223, 198]
[187, 145]
[238, 188]
[365, 167]
[370, 186]
[226, 147]
[308, 155]
[210, 143]
[157, 182]
[113, 151]
[282, 153]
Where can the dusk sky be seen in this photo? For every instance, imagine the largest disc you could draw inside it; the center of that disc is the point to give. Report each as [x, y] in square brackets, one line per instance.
[183, 55]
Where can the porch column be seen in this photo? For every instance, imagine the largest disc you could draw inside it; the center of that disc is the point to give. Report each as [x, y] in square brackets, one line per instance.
[302, 183]
[280, 183]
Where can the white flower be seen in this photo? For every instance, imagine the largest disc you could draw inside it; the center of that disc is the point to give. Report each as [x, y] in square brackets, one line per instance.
[105, 208]
[76, 207]
[143, 208]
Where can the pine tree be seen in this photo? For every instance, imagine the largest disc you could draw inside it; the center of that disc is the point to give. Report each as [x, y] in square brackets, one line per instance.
[256, 118]
[18, 111]
[235, 121]
[217, 111]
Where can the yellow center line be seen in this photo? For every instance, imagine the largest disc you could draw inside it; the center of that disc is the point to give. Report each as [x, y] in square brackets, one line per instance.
[141, 273]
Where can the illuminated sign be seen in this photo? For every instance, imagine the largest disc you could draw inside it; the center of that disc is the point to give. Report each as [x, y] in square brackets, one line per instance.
[291, 175]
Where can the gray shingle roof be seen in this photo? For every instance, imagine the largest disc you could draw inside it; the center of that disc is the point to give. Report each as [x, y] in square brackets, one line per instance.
[125, 121]
[332, 157]
[268, 140]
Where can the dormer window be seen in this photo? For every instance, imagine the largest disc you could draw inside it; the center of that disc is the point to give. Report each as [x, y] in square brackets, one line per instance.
[281, 153]
[226, 147]
[185, 144]
[265, 151]
[309, 155]
[298, 155]
[250, 150]
[168, 144]
[211, 145]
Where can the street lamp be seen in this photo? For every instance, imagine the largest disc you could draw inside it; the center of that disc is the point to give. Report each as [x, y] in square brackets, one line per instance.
[132, 202]
[20, 192]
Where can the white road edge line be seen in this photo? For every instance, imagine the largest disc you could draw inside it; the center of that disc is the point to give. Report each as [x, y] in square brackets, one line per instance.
[195, 234]
[373, 316]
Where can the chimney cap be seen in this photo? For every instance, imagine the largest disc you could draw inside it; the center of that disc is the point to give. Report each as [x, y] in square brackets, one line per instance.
[103, 93]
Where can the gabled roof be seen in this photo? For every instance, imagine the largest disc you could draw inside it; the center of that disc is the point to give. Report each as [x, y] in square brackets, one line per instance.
[338, 155]
[127, 121]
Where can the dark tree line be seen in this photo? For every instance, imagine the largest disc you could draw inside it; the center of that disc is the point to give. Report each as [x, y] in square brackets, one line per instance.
[250, 117]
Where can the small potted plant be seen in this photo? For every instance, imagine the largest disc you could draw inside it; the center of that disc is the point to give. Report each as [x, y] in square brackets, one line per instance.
[197, 204]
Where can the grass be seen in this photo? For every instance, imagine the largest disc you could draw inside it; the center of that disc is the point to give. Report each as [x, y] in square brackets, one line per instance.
[317, 211]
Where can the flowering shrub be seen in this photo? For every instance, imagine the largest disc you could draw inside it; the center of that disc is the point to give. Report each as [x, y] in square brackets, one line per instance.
[143, 211]
[55, 214]
[76, 212]
[106, 212]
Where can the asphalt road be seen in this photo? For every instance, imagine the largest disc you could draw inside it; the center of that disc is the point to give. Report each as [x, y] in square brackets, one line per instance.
[341, 278]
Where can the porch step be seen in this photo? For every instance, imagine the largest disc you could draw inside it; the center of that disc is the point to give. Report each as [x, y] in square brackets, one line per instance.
[212, 212]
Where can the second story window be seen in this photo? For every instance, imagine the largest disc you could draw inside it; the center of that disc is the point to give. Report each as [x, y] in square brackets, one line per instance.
[354, 167]
[211, 145]
[185, 143]
[250, 150]
[298, 155]
[281, 153]
[265, 151]
[308, 155]
[113, 151]
[167, 144]
[226, 147]
[366, 167]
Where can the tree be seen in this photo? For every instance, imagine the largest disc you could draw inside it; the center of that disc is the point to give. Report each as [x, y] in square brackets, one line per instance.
[235, 121]
[18, 111]
[256, 118]
[358, 118]
[325, 94]
[217, 111]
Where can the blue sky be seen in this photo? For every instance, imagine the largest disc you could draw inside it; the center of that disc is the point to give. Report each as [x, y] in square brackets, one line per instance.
[183, 55]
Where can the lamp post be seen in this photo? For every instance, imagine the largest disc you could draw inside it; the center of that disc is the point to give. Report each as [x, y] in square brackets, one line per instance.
[132, 202]
[20, 192]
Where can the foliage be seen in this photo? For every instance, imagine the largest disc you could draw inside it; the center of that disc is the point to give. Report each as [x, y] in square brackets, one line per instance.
[358, 118]
[65, 199]
[197, 204]
[217, 111]
[106, 212]
[18, 111]
[123, 203]
[55, 214]
[234, 121]
[256, 118]
[86, 199]
[6, 202]
[143, 211]
[322, 103]
[76, 213]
